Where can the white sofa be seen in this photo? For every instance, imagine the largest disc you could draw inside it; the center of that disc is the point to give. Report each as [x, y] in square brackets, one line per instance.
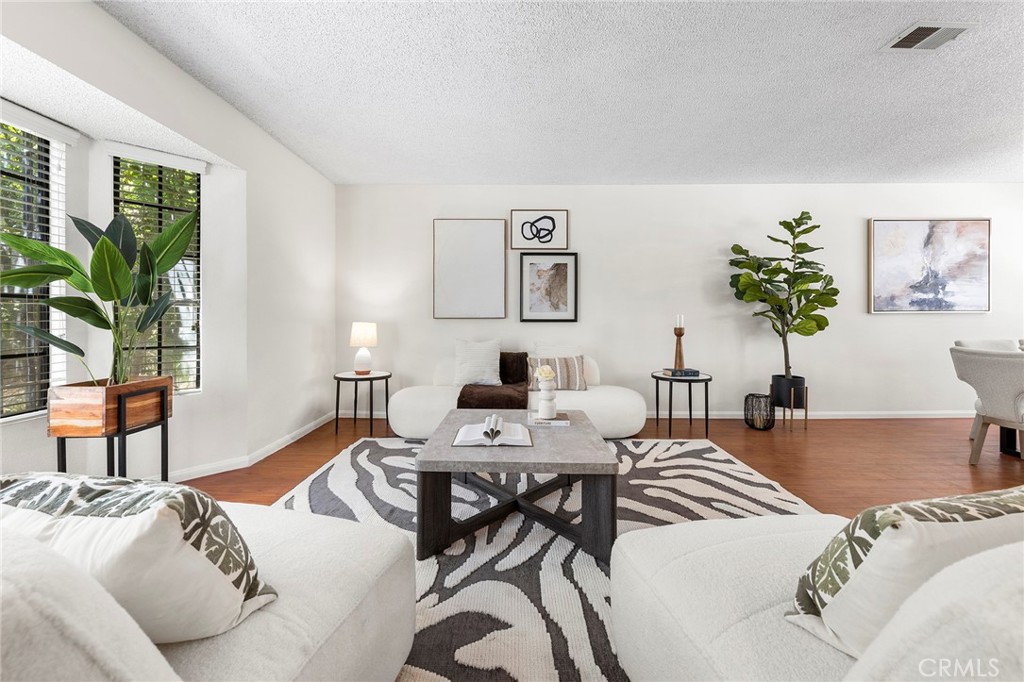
[616, 412]
[345, 610]
[705, 600]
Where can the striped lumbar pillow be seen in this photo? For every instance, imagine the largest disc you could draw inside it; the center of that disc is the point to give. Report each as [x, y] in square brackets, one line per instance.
[568, 373]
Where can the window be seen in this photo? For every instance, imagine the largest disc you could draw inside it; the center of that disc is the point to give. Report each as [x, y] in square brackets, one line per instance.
[31, 205]
[152, 197]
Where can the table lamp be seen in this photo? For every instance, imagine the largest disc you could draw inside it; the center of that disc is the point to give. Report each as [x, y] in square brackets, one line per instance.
[364, 337]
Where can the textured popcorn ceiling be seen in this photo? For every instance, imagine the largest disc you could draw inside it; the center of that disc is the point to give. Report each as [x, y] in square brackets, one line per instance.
[36, 84]
[609, 92]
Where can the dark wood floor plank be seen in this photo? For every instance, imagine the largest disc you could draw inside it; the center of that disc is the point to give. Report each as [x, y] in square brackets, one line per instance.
[837, 466]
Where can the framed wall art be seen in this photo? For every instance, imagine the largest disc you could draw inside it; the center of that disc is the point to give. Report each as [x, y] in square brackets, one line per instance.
[539, 229]
[929, 266]
[548, 287]
[469, 268]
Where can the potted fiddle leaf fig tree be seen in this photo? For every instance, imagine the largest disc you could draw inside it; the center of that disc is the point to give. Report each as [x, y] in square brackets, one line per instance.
[792, 290]
[117, 293]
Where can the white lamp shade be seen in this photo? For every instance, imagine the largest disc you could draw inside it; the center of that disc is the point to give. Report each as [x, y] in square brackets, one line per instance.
[364, 335]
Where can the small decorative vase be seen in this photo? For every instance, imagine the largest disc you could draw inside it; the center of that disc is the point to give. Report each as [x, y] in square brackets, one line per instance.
[546, 408]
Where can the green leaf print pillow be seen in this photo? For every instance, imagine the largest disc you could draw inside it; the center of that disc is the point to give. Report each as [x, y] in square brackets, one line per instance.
[167, 553]
[853, 588]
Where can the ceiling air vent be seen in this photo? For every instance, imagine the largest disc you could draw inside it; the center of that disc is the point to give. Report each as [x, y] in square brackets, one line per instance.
[927, 35]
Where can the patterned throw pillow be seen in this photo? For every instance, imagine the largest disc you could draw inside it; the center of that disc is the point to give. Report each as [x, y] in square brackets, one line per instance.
[853, 588]
[167, 553]
[568, 373]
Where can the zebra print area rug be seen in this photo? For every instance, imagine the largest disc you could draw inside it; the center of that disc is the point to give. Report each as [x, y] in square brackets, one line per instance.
[516, 601]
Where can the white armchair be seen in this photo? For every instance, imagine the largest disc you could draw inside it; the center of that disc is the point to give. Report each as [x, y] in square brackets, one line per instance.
[997, 377]
[987, 344]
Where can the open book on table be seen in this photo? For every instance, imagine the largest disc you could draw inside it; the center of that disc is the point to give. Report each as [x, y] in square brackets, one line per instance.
[493, 431]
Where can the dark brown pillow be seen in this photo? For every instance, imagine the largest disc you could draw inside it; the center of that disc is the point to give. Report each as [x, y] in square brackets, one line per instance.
[513, 368]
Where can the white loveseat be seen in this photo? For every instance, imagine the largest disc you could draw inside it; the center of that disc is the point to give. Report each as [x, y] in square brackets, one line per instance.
[345, 610]
[616, 412]
[705, 600]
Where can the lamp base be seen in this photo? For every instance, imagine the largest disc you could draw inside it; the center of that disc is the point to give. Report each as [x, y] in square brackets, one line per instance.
[361, 363]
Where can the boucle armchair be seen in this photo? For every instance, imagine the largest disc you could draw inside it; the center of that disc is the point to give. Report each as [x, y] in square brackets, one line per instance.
[998, 379]
[987, 344]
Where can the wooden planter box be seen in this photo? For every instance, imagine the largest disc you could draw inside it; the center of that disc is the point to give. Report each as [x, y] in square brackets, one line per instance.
[85, 410]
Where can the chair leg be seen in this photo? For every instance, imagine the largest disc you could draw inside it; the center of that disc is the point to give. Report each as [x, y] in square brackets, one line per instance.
[975, 426]
[979, 442]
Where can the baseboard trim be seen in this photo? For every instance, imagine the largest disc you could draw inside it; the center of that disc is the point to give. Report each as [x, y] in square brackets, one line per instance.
[799, 414]
[220, 467]
[273, 447]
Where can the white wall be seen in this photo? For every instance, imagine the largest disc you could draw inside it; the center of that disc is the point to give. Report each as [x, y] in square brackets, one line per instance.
[280, 324]
[647, 253]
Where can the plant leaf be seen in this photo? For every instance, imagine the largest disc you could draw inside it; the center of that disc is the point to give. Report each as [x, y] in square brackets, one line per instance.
[91, 233]
[739, 250]
[147, 276]
[111, 277]
[84, 309]
[49, 338]
[805, 328]
[154, 312]
[171, 244]
[819, 320]
[37, 250]
[32, 276]
[122, 234]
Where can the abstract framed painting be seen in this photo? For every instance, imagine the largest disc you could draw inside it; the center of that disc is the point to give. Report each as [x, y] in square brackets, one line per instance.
[548, 287]
[469, 268]
[539, 229]
[929, 266]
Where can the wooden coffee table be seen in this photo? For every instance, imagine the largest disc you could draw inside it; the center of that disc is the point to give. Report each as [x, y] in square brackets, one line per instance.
[575, 453]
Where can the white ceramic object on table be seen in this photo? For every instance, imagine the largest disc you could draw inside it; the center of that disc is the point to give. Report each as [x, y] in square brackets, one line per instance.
[546, 407]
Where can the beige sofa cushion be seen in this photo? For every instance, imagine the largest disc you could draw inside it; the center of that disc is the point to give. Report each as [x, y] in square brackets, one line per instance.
[966, 622]
[57, 623]
[704, 600]
[345, 609]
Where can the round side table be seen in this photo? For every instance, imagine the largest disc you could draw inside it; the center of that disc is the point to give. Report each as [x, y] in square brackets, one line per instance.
[357, 379]
[672, 381]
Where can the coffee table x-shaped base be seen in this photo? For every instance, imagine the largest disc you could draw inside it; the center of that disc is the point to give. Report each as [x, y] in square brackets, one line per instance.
[436, 530]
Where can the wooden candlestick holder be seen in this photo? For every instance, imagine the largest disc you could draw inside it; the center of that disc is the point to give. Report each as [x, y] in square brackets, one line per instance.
[679, 331]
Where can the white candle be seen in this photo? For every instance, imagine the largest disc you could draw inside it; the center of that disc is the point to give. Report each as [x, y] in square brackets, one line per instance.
[679, 320]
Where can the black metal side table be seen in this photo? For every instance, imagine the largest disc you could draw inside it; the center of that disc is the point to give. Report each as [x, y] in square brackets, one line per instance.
[672, 381]
[357, 379]
[121, 435]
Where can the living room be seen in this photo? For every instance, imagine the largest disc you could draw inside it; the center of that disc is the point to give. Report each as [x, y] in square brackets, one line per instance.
[334, 142]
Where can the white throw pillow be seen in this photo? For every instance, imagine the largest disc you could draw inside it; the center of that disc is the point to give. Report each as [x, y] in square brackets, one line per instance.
[477, 362]
[965, 623]
[886, 553]
[167, 553]
[59, 624]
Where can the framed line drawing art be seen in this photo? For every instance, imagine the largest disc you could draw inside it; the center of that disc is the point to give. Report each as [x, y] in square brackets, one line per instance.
[469, 268]
[548, 287]
[539, 229]
[929, 266]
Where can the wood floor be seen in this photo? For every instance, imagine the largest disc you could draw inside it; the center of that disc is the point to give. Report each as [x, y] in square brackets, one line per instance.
[837, 466]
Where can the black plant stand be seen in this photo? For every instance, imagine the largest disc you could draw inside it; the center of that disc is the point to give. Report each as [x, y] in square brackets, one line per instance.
[121, 436]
